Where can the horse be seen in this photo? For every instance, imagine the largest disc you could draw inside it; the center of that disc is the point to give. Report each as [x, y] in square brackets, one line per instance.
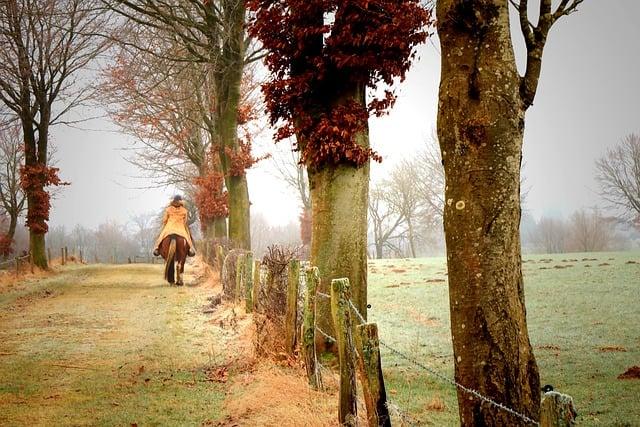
[174, 249]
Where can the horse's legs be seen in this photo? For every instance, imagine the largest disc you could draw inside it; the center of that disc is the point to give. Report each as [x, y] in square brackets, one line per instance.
[179, 270]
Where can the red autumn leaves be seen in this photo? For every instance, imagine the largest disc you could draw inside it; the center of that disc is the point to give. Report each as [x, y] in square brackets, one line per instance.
[321, 49]
[34, 179]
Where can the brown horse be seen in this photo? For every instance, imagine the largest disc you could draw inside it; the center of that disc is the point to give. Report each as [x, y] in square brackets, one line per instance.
[174, 249]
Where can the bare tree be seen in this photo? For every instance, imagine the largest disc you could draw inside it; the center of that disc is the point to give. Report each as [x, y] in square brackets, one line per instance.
[44, 47]
[293, 173]
[145, 231]
[12, 198]
[618, 173]
[430, 181]
[213, 33]
[402, 196]
[549, 235]
[590, 231]
[385, 223]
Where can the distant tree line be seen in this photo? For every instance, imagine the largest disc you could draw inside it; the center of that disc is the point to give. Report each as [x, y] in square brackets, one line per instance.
[586, 230]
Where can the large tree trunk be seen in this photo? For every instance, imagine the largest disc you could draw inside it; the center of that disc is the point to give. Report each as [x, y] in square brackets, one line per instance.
[216, 228]
[228, 80]
[36, 155]
[339, 204]
[220, 228]
[239, 212]
[480, 128]
[412, 238]
[13, 224]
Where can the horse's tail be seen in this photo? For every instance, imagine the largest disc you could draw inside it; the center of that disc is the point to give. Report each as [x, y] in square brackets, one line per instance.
[169, 264]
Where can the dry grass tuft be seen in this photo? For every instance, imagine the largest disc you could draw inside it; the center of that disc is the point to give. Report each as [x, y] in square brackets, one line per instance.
[278, 396]
[436, 404]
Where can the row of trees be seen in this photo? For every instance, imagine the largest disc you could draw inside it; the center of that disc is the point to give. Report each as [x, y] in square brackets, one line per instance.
[175, 84]
[583, 231]
[323, 57]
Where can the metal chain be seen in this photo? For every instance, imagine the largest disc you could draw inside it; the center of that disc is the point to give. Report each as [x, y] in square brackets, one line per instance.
[445, 378]
[434, 372]
[460, 386]
[12, 261]
[326, 335]
[404, 417]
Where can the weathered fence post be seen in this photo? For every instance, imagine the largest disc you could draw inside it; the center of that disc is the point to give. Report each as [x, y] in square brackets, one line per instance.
[248, 281]
[557, 410]
[370, 367]
[49, 255]
[293, 281]
[81, 259]
[347, 406]
[255, 289]
[66, 255]
[309, 330]
[239, 277]
[62, 260]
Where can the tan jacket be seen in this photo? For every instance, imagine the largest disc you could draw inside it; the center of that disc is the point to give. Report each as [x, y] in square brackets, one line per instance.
[175, 222]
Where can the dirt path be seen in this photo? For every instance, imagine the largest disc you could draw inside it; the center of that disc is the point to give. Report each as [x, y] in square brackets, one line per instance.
[111, 345]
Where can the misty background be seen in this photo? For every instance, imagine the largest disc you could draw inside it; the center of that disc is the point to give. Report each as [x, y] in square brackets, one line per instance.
[586, 103]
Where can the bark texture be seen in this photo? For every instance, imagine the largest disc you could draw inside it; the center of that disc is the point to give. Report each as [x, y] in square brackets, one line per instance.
[339, 203]
[480, 129]
[228, 77]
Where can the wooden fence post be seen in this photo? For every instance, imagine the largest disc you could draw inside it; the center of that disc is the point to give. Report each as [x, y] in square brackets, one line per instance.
[81, 259]
[239, 277]
[49, 255]
[370, 368]
[291, 331]
[309, 330]
[62, 256]
[248, 281]
[347, 407]
[557, 410]
[66, 255]
[255, 289]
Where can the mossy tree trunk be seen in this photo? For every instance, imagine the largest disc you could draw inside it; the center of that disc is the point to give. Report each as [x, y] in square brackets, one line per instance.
[36, 155]
[339, 205]
[480, 129]
[228, 77]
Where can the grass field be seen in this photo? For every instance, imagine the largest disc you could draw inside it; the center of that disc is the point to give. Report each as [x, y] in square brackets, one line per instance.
[583, 314]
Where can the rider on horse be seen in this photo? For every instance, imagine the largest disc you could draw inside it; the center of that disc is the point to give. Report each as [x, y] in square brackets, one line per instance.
[175, 222]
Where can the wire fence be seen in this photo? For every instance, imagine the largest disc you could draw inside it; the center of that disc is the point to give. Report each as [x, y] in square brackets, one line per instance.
[433, 372]
[12, 262]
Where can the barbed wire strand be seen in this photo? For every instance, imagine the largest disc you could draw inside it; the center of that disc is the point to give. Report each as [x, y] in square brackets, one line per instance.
[13, 260]
[444, 377]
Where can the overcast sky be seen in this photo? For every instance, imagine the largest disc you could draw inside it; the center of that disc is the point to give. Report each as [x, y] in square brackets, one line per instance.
[587, 101]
